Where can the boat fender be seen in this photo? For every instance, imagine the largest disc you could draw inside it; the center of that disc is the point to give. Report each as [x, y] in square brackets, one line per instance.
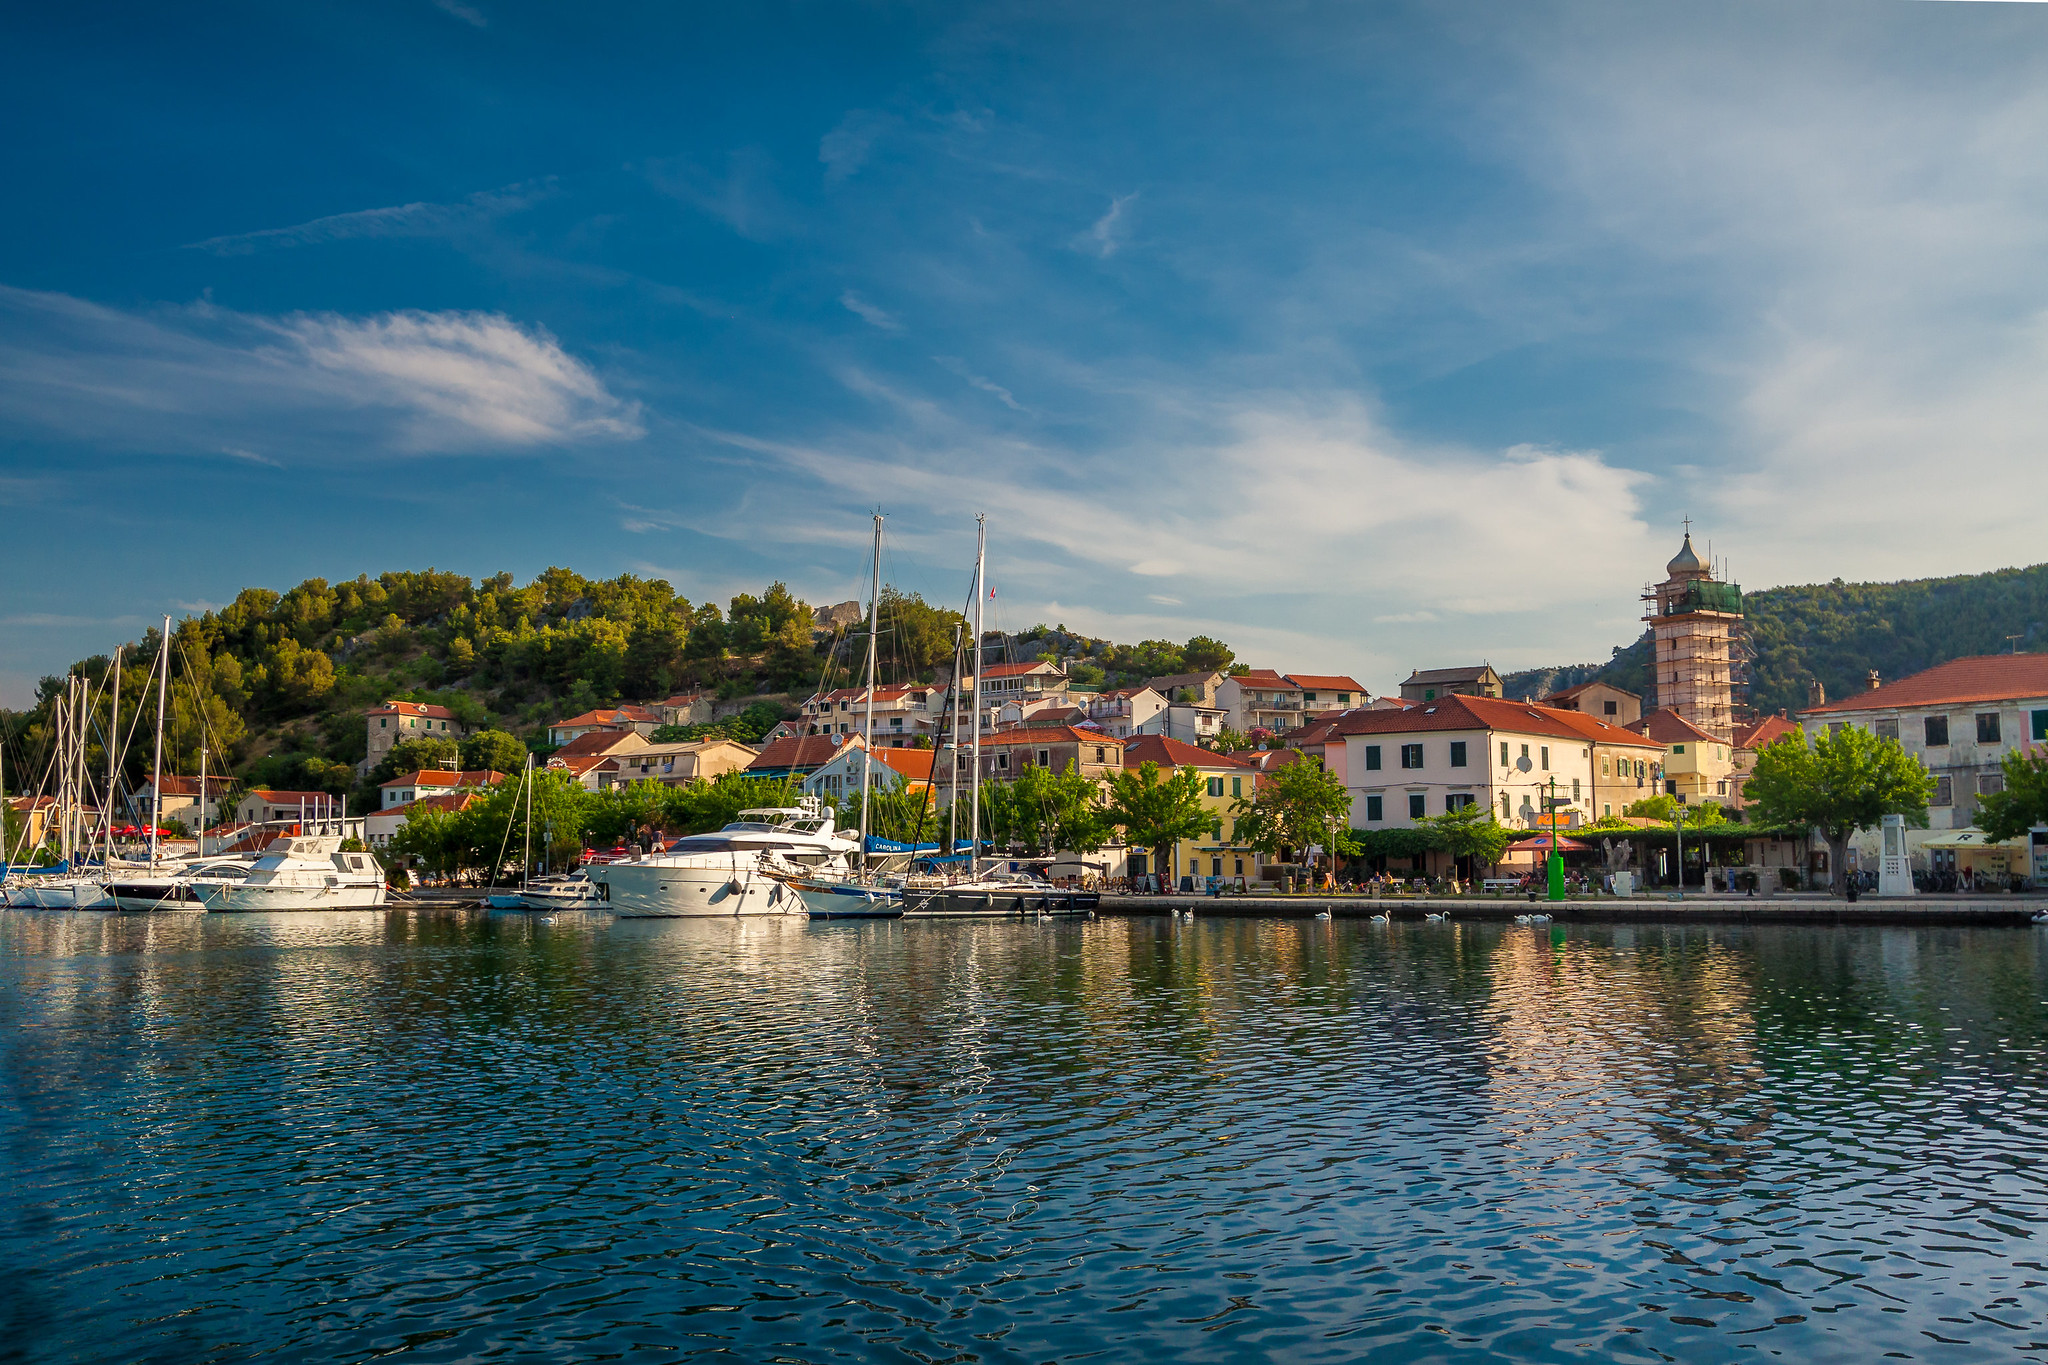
[733, 887]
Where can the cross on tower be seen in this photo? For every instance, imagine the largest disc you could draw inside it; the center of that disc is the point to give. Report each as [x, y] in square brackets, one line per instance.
[1688, 525]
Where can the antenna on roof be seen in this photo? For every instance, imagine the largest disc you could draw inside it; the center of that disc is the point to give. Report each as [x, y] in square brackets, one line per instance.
[2014, 640]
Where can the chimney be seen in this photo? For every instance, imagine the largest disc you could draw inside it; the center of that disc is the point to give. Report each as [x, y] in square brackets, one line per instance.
[1874, 683]
[1816, 694]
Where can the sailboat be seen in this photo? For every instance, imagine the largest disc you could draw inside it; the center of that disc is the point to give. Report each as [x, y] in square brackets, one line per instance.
[159, 885]
[71, 884]
[978, 894]
[860, 893]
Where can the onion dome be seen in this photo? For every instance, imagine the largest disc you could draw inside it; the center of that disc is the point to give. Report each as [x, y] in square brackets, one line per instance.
[1685, 561]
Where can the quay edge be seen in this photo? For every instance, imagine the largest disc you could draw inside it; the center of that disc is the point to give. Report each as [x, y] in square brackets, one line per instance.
[2003, 911]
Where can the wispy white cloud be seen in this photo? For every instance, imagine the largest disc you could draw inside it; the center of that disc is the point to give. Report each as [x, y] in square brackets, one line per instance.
[1108, 232]
[868, 312]
[955, 365]
[200, 379]
[465, 13]
[399, 220]
[845, 149]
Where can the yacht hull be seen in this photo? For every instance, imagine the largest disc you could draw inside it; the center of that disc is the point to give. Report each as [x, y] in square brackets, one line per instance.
[68, 894]
[230, 899]
[153, 895]
[655, 891]
[849, 900]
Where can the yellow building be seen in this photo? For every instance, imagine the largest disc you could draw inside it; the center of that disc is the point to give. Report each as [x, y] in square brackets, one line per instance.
[1224, 780]
[1697, 765]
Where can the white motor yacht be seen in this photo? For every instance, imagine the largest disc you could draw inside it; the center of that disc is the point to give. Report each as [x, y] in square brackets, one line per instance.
[172, 886]
[721, 874]
[302, 872]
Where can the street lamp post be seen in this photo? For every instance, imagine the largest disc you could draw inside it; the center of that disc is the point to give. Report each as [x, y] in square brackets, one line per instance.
[1556, 860]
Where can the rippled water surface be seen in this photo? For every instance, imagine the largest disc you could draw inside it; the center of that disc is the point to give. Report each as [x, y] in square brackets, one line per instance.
[453, 1137]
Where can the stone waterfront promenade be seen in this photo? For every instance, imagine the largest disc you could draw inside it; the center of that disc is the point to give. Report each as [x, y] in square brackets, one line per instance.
[1983, 910]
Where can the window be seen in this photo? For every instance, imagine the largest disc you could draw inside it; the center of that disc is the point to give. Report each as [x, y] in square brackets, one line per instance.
[1237, 786]
[1215, 786]
[1411, 755]
[1240, 866]
[2040, 724]
[1506, 811]
[1375, 808]
[1457, 800]
[1886, 729]
[1944, 791]
[895, 722]
[1987, 783]
[1670, 787]
[1987, 727]
[1416, 808]
[1308, 696]
[1503, 753]
[385, 723]
[1937, 730]
[1606, 810]
[1003, 761]
[1215, 867]
[1678, 748]
[1372, 758]
[1098, 754]
[1575, 789]
[1457, 753]
[1045, 758]
[1525, 751]
[1343, 699]
[1429, 694]
[1610, 708]
[1546, 758]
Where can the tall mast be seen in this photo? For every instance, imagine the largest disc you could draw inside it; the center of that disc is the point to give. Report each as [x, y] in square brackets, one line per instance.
[953, 752]
[526, 856]
[62, 711]
[867, 757]
[156, 796]
[974, 781]
[113, 729]
[199, 832]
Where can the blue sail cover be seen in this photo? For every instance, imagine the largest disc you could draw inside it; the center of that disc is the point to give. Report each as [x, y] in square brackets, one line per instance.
[877, 844]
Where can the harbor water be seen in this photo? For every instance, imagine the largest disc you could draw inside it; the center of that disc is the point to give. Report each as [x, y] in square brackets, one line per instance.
[452, 1136]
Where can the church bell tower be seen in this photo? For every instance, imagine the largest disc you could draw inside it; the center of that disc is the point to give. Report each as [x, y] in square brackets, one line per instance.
[1695, 622]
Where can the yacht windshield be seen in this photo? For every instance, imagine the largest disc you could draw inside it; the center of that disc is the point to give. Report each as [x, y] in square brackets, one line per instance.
[703, 843]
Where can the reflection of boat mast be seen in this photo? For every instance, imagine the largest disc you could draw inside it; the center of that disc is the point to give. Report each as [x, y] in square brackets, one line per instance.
[113, 730]
[867, 757]
[974, 781]
[163, 684]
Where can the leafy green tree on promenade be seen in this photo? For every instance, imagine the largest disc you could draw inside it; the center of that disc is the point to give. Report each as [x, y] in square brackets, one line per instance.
[2024, 802]
[1846, 781]
[1469, 832]
[1294, 806]
[1158, 812]
[1052, 811]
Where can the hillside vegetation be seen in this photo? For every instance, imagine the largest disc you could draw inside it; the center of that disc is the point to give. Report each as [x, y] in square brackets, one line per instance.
[1837, 632]
[274, 685]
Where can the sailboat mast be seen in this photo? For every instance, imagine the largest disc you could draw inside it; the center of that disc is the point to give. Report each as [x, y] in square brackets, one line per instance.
[156, 796]
[953, 754]
[867, 757]
[113, 730]
[526, 854]
[974, 780]
[199, 833]
[62, 711]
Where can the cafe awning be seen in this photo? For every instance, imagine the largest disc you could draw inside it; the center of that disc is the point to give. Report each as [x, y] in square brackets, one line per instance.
[1973, 838]
[1542, 844]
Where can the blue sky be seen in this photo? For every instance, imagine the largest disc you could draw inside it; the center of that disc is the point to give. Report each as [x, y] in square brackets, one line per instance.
[1364, 337]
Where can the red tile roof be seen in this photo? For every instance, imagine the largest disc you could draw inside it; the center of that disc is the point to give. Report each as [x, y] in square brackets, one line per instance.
[455, 801]
[596, 742]
[1172, 753]
[803, 752]
[189, 786]
[1666, 726]
[1457, 711]
[1047, 734]
[616, 715]
[1266, 678]
[1959, 682]
[277, 798]
[445, 777]
[1324, 682]
[1570, 692]
[1765, 732]
[915, 764]
[412, 708]
[1013, 670]
[575, 764]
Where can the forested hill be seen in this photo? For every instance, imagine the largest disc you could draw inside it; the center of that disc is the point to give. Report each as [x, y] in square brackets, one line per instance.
[1837, 632]
[275, 684]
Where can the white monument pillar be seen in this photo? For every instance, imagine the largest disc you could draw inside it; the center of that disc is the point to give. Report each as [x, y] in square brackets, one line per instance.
[1894, 869]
